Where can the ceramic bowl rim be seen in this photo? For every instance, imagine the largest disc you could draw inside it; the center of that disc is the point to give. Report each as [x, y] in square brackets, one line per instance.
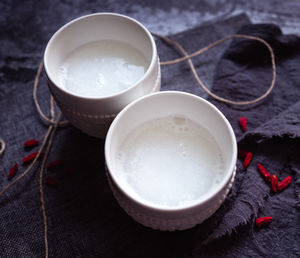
[206, 198]
[72, 22]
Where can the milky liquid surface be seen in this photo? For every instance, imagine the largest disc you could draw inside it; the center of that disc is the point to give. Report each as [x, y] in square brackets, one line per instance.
[101, 68]
[170, 162]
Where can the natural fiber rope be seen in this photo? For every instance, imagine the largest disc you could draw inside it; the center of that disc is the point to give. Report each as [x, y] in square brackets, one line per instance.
[2, 143]
[210, 46]
[43, 116]
[42, 179]
[52, 110]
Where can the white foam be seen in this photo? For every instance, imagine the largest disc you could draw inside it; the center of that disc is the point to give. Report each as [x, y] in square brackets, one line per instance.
[101, 68]
[170, 161]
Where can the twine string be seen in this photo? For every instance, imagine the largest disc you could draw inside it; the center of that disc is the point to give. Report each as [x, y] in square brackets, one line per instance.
[37, 105]
[42, 179]
[52, 110]
[210, 46]
[51, 138]
[2, 143]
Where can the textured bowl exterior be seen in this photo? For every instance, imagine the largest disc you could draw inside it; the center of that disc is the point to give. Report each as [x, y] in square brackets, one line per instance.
[176, 220]
[96, 122]
[93, 115]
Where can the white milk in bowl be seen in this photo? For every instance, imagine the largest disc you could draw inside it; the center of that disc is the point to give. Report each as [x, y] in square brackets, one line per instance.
[101, 68]
[170, 162]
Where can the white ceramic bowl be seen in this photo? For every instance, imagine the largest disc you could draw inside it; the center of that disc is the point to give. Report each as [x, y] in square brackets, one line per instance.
[94, 115]
[162, 104]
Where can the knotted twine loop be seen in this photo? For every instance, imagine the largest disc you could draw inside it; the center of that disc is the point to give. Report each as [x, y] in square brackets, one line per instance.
[53, 125]
[210, 46]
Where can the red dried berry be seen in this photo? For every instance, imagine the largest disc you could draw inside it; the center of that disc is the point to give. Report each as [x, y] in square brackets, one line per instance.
[243, 123]
[274, 183]
[247, 160]
[263, 221]
[13, 171]
[284, 183]
[264, 172]
[30, 157]
[55, 163]
[50, 181]
[31, 143]
[242, 153]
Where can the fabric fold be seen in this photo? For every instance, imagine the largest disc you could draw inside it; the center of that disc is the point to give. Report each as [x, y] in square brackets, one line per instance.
[273, 124]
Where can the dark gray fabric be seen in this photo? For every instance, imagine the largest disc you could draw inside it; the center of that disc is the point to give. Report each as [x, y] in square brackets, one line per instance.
[84, 220]
[273, 136]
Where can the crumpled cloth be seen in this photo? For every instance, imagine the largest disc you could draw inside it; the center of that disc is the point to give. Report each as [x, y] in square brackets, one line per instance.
[84, 219]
